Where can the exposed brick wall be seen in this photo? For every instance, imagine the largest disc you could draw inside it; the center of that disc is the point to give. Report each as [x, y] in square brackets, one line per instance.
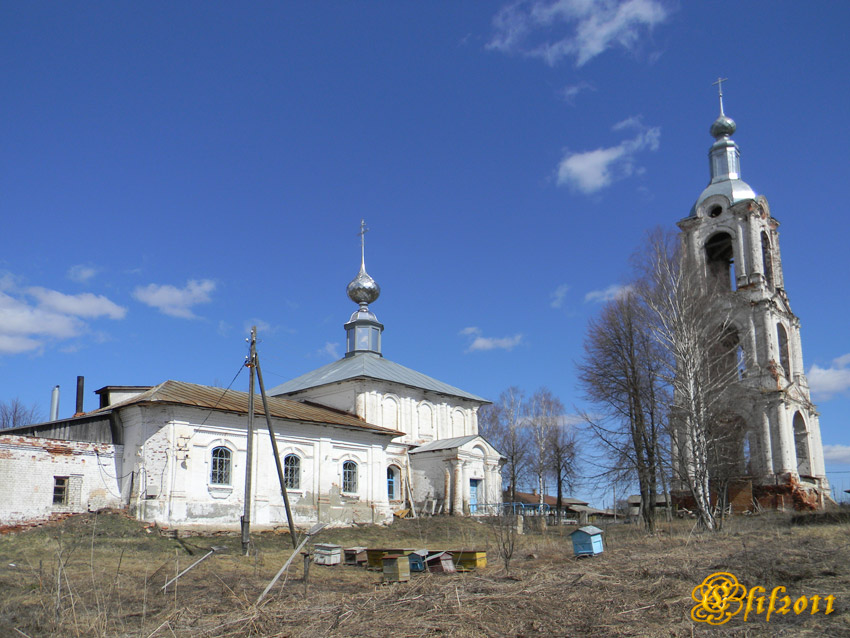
[29, 467]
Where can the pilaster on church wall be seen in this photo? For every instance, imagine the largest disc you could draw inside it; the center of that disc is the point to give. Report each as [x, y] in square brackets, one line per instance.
[778, 276]
[754, 237]
[744, 266]
[816, 446]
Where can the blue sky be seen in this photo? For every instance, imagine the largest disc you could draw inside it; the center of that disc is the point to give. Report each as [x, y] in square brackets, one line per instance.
[174, 172]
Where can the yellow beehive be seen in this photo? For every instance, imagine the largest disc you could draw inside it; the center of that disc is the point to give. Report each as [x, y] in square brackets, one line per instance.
[469, 560]
[375, 556]
[396, 568]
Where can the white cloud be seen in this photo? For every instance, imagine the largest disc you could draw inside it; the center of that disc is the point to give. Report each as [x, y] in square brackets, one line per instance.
[32, 317]
[173, 301]
[580, 29]
[614, 291]
[558, 295]
[570, 92]
[81, 273]
[330, 349]
[480, 342]
[837, 454]
[592, 171]
[827, 382]
[82, 305]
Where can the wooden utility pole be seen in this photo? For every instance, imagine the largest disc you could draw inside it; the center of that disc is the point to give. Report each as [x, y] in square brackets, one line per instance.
[249, 457]
[276, 454]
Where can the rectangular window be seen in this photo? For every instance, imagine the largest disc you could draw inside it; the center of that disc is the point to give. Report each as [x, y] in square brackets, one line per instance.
[60, 490]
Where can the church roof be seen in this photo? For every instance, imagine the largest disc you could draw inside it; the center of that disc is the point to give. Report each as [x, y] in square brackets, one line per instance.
[367, 365]
[445, 444]
[205, 397]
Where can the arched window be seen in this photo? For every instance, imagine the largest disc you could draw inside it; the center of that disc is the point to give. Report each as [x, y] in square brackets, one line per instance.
[719, 257]
[801, 442]
[390, 413]
[393, 492]
[349, 477]
[426, 421]
[458, 423]
[220, 466]
[784, 354]
[292, 472]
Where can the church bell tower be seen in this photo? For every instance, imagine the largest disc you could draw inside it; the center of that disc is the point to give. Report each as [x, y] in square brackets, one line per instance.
[734, 239]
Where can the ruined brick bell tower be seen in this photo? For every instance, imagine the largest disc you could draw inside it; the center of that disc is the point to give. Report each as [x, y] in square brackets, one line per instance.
[733, 238]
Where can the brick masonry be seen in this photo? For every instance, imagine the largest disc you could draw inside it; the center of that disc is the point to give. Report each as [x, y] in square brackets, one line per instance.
[29, 467]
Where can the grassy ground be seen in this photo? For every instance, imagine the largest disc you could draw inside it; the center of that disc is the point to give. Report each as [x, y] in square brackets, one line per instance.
[101, 574]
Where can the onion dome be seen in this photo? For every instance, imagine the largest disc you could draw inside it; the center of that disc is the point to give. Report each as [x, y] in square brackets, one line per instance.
[723, 126]
[363, 289]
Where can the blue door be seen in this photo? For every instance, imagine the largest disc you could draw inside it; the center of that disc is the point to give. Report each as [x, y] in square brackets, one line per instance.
[473, 495]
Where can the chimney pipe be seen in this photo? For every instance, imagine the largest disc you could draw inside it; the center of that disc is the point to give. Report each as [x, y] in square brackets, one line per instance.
[80, 392]
[54, 404]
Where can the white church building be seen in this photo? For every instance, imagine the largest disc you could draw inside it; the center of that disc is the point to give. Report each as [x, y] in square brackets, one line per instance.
[358, 440]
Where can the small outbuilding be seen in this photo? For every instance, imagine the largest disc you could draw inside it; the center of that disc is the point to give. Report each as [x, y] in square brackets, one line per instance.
[587, 541]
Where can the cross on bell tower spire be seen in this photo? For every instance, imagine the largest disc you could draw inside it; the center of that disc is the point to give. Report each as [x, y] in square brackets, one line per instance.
[719, 84]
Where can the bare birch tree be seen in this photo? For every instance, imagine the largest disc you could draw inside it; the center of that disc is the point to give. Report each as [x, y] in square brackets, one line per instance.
[545, 411]
[690, 320]
[502, 425]
[562, 458]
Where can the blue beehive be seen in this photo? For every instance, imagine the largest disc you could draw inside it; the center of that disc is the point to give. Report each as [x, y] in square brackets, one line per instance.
[417, 560]
[587, 541]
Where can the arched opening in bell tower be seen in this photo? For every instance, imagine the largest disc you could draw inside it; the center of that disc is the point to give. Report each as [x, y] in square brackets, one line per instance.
[728, 360]
[719, 258]
[801, 443]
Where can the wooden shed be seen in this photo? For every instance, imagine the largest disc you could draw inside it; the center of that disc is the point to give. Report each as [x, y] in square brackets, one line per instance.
[587, 541]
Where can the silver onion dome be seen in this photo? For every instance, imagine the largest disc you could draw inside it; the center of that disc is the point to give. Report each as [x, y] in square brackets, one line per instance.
[723, 126]
[363, 289]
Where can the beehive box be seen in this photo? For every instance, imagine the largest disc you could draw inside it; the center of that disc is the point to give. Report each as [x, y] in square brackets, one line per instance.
[417, 560]
[587, 541]
[324, 554]
[354, 555]
[441, 562]
[468, 560]
[374, 557]
[396, 568]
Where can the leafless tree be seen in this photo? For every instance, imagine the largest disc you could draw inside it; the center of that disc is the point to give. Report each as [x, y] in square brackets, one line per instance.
[545, 411]
[505, 530]
[562, 458]
[690, 320]
[621, 375]
[502, 425]
[14, 413]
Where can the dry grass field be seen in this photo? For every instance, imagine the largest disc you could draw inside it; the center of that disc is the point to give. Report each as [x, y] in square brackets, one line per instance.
[101, 574]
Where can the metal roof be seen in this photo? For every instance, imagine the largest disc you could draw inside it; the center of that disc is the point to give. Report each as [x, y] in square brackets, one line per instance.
[201, 396]
[445, 444]
[368, 365]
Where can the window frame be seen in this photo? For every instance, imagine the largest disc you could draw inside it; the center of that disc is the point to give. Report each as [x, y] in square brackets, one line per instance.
[216, 470]
[394, 482]
[61, 487]
[292, 472]
[350, 476]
